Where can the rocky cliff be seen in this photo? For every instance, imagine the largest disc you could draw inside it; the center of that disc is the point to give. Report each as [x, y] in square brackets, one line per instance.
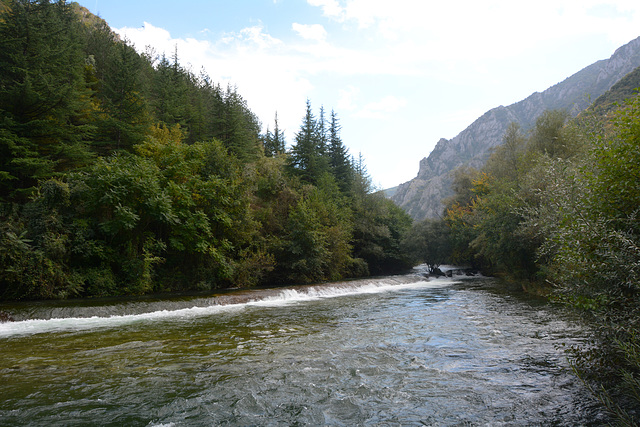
[422, 196]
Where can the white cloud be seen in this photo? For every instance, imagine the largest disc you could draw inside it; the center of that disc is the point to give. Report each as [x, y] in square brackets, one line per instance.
[346, 98]
[147, 35]
[491, 28]
[257, 37]
[381, 109]
[330, 8]
[310, 32]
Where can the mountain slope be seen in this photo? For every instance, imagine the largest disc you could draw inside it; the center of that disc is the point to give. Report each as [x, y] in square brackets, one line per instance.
[624, 89]
[422, 196]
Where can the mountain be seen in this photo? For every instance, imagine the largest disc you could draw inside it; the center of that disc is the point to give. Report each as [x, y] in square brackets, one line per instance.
[623, 89]
[422, 196]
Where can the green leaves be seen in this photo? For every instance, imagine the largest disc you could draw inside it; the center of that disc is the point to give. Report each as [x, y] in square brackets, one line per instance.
[97, 200]
[43, 96]
[428, 242]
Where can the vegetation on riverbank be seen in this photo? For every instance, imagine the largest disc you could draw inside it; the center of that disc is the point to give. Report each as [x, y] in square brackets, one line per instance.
[123, 173]
[558, 209]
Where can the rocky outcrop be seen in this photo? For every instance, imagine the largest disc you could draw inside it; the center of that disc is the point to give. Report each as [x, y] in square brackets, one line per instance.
[422, 196]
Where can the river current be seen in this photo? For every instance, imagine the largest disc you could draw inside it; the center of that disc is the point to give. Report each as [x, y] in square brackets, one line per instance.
[393, 351]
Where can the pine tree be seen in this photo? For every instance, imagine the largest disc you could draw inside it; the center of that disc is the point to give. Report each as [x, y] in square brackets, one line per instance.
[306, 159]
[278, 138]
[338, 154]
[212, 104]
[45, 104]
[170, 92]
[274, 141]
[322, 133]
[124, 119]
[268, 144]
[241, 127]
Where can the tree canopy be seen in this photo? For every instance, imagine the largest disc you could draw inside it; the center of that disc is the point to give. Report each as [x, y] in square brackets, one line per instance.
[125, 173]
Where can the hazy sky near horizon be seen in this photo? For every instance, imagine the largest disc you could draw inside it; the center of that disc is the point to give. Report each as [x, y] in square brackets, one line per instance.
[399, 74]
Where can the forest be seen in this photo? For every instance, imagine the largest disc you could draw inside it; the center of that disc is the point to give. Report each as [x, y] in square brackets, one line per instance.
[124, 174]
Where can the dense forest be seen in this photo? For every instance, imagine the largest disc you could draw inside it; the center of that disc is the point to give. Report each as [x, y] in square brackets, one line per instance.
[124, 173]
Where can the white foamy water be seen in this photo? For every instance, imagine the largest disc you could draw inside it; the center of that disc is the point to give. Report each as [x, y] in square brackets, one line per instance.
[282, 297]
[289, 296]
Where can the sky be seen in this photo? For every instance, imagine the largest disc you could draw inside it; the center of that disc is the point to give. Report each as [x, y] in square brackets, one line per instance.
[399, 74]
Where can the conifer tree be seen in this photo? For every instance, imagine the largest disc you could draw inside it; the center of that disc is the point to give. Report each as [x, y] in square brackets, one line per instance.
[278, 138]
[338, 154]
[211, 101]
[124, 119]
[170, 92]
[322, 133]
[306, 159]
[44, 101]
[268, 144]
[274, 144]
[241, 132]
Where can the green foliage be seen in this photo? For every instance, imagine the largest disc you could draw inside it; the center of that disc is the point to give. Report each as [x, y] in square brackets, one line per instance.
[594, 264]
[274, 143]
[500, 239]
[617, 159]
[44, 100]
[240, 128]
[339, 162]
[561, 207]
[548, 137]
[306, 248]
[428, 242]
[123, 174]
[505, 163]
[123, 119]
[379, 228]
[35, 247]
[175, 206]
[307, 159]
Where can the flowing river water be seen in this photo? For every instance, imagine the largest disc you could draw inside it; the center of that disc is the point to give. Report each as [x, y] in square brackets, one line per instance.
[400, 350]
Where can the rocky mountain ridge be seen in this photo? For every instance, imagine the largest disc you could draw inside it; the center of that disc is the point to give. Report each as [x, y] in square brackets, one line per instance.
[422, 196]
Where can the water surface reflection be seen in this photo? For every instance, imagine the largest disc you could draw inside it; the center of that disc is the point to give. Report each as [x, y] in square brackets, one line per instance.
[394, 351]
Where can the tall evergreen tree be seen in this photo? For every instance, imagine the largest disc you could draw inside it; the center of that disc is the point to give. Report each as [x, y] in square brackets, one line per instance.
[274, 144]
[124, 116]
[241, 132]
[278, 138]
[170, 92]
[44, 101]
[198, 129]
[338, 154]
[306, 159]
[212, 105]
[322, 133]
[268, 143]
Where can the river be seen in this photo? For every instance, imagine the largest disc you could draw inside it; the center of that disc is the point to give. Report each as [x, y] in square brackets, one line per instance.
[402, 350]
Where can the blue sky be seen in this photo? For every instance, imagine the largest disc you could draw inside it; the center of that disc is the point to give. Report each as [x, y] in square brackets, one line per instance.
[399, 74]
